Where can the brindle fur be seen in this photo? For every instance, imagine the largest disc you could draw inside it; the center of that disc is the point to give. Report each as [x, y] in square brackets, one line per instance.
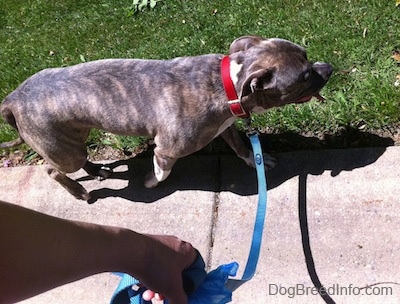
[181, 103]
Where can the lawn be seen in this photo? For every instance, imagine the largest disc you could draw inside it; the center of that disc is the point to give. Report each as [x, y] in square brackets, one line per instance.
[357, 37]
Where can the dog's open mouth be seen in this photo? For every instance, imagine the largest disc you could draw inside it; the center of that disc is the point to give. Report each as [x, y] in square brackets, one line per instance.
[308, 98]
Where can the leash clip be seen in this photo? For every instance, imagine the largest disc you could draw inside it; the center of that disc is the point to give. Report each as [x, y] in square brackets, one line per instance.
[250, 131]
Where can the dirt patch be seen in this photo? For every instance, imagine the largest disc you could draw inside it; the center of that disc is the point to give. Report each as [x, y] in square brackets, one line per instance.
[25, 156]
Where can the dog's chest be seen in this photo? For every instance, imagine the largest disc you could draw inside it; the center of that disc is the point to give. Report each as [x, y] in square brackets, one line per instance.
[227, 123]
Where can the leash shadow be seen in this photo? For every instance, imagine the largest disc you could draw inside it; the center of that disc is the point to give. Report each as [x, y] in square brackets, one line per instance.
[315, 163]
[305, 237]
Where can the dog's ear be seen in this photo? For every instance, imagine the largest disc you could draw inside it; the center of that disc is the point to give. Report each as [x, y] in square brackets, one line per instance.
[244, 43]
[260, 80]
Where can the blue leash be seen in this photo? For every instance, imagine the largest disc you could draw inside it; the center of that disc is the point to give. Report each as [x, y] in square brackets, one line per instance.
[214, 287]
[251, 265]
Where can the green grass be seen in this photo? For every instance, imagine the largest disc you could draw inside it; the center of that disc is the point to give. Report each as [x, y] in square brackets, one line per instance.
[356, 37]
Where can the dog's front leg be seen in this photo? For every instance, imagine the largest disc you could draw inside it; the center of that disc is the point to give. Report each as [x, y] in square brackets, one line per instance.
[232, 137]
[162, 168]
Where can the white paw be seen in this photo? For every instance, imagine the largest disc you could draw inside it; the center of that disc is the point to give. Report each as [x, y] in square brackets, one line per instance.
[150, 180]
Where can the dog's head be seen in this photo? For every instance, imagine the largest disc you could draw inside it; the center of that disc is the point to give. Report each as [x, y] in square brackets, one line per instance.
[274, 72]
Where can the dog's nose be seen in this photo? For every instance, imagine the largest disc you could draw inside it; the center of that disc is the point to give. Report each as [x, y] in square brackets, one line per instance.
[324, 69]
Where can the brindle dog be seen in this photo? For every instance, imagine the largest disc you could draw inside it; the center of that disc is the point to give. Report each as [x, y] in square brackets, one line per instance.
[181, 103]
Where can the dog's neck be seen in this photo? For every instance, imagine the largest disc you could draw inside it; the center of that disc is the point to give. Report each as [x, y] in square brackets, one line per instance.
[234, 102]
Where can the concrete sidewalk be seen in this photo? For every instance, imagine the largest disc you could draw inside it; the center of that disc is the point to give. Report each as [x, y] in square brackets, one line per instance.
[351, 198]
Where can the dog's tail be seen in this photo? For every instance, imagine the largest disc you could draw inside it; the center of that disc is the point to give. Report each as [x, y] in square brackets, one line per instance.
[10, 119]
[11, 144]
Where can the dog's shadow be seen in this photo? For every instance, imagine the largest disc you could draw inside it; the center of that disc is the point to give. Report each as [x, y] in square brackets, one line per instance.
[189, 173]
[218, 173]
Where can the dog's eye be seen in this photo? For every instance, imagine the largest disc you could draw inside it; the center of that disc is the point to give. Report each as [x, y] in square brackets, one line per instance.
[306, 76]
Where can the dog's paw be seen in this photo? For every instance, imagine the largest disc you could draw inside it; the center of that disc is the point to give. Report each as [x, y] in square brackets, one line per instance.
[78, 191]
[85, 196]
[269, 161]
[98, 171]
[104, 173]
[150, 180]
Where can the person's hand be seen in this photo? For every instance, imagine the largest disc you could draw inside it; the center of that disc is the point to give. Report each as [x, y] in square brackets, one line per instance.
[166, 257]
[46, 252]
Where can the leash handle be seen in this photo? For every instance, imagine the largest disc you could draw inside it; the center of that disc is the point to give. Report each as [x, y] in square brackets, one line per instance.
[130, 291]
[194, 276]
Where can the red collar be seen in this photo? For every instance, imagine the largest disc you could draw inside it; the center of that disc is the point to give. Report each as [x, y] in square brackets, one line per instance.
[234, 102]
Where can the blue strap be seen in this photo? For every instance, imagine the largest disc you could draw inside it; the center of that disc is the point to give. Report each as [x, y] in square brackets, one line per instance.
[233, 284]
[124, 294]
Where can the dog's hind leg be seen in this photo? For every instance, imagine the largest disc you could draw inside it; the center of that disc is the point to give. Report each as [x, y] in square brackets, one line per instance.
[70, 185]
[98, 171]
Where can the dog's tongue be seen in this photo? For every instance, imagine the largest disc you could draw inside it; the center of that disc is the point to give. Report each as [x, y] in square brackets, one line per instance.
[319, 97]
[308, 98]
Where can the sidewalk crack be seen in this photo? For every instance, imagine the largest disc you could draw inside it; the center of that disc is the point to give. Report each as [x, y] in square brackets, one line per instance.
[214, 218]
